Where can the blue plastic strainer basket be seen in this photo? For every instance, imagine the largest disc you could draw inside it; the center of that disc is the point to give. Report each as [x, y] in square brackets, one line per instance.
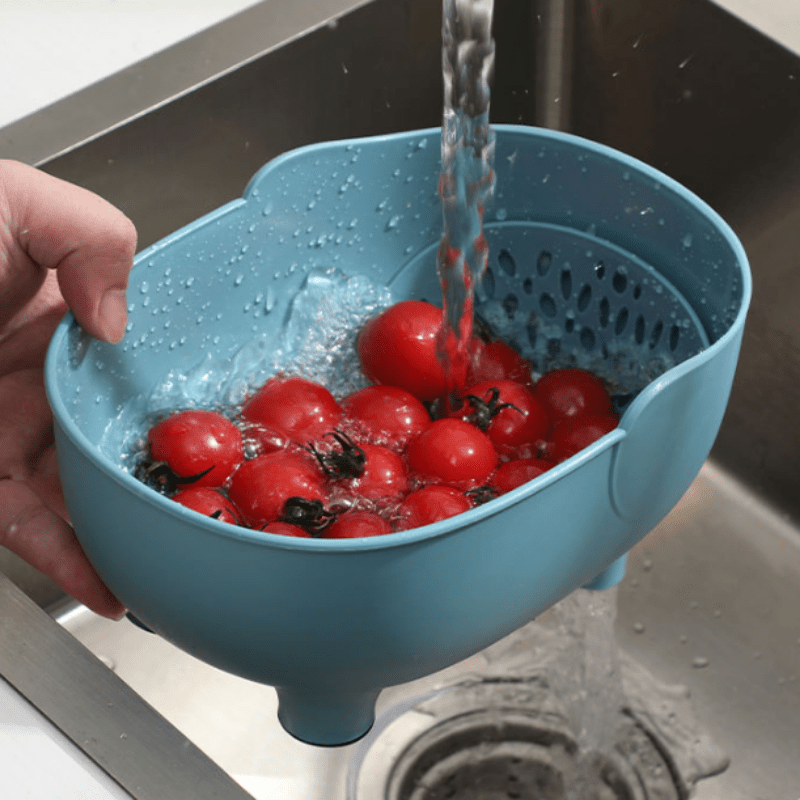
[565, 298]
[595, 259]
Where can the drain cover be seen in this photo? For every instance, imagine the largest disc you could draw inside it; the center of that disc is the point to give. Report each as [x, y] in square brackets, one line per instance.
[507, 741]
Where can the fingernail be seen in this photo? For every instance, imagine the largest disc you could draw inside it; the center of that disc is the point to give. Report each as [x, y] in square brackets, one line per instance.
[113, 315]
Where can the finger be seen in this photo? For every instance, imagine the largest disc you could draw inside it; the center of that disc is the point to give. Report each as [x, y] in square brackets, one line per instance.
[40, 537]
[90, 243]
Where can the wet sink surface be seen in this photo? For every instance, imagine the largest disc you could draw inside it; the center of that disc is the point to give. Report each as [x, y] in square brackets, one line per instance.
[709, 601]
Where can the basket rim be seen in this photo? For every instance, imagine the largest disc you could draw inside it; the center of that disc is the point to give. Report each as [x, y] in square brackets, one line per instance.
[99, 460]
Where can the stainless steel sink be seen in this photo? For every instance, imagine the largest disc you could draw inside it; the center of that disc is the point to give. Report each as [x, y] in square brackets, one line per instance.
[709, 602]
[711, 597]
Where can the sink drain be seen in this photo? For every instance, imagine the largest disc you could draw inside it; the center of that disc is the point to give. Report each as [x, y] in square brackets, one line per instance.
[507, 741]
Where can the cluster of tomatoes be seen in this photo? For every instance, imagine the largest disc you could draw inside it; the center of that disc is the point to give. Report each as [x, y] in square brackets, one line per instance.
[395, 455]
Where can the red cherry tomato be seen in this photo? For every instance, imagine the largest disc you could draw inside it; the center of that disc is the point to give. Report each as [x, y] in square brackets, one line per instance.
[286, 529]
[191, 442]
[207, 501]
[454, 452]
[356, 525]
[494, 361]
[431, 504]
[384, 475]
[571, 435]
[260, 487]
[514, 473]
[400, 347]
[304, 410]
[262, 439]
[573, 393]
[385, 415]
[510, 413]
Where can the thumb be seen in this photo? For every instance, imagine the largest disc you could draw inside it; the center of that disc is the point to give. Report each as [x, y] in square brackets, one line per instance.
[89, 243]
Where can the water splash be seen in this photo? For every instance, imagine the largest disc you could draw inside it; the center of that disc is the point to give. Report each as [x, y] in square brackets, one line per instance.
[597, 684]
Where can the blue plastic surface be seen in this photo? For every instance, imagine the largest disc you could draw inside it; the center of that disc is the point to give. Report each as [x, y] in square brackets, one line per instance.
[596, 259]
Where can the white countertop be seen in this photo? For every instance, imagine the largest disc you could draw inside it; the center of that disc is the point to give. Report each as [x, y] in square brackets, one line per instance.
[40, 763]
[52, 48]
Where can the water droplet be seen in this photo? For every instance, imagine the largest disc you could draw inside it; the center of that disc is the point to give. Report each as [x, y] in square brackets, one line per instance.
[188, 282]
[700, 662]
[683, 638]
[267, 210]
[626, 176]
[144, 287]
[501, 214]
[238, 280]
[393, 223]
[647, 565]
[687, 240]
[638, 627]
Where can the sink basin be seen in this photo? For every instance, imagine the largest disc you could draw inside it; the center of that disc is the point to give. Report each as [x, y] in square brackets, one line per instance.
[684, 613]
[710, 597]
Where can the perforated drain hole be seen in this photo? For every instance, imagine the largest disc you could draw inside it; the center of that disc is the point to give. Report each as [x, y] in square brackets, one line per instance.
[567, 299]
[506, 754]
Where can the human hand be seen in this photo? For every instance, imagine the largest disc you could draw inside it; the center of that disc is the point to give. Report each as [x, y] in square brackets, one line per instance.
[59, 245]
